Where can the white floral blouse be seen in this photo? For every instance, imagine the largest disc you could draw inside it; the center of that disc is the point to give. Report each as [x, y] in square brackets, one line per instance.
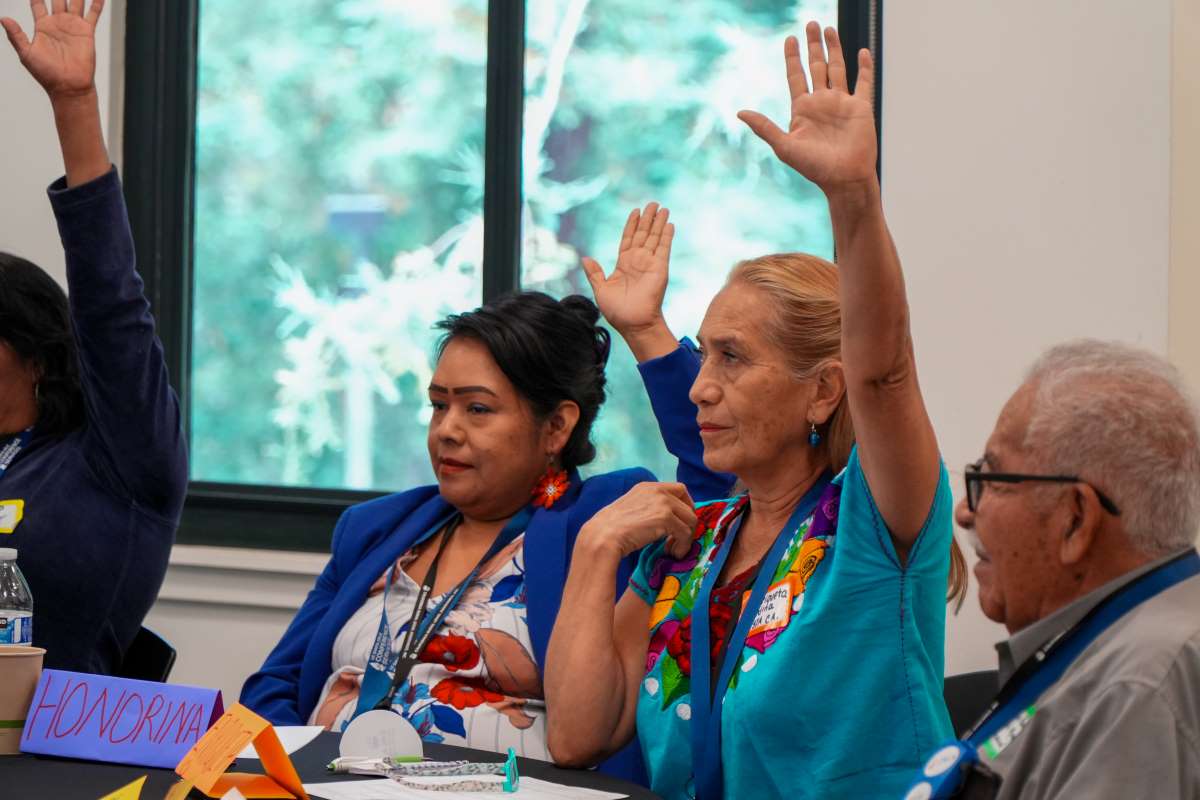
[477, 684]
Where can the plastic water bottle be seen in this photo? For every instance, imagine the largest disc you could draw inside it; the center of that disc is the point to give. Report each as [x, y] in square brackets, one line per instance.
[16, 602]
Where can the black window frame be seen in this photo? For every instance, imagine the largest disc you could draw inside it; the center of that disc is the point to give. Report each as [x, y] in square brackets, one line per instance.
[159, 158]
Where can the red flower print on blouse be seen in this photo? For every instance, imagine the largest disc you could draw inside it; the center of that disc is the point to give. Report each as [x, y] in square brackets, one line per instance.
[452, 652]
[464, 693]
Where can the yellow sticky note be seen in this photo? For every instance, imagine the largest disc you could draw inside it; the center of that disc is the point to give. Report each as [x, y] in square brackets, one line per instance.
[11, 514]
[206, 762]
[130, 791]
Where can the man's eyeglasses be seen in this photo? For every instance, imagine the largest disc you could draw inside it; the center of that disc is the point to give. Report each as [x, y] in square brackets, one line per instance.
[976, 480]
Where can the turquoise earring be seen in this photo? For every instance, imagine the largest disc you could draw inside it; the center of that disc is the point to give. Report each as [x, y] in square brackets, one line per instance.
[814, 438]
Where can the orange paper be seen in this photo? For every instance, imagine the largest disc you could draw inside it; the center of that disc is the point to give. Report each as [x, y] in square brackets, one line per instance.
[205, 764]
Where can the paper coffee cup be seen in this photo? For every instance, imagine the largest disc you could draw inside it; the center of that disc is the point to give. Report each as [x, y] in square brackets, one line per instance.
[20, 669]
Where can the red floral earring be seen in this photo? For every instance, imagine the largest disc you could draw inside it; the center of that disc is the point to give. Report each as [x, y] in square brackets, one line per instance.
[551, 486]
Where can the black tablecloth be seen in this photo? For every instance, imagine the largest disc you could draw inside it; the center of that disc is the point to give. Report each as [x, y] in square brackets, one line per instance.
[43, 778]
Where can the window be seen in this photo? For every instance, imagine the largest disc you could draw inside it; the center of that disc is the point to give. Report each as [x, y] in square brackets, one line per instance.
[338, 215]
[335, 176]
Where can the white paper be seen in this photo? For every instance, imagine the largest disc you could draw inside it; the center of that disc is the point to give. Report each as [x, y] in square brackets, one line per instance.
[531, 789]
[292, 737]
[233, 794]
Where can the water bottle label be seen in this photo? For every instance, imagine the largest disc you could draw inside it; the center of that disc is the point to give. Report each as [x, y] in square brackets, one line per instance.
[16, 630]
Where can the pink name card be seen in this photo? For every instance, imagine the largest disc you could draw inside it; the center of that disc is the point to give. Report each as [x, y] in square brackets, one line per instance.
[125, 721]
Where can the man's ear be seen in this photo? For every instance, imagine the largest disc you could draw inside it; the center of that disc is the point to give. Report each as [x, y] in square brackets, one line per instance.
[830, 389]
[1085, 518]
[558, 427]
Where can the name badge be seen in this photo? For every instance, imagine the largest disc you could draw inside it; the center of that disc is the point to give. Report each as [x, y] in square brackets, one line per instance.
[996, 745]
[11, 514]
[775, 610]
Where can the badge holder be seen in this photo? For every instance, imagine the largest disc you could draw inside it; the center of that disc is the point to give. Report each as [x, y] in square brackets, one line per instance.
[954, 771]
[380, 734]
[414, 774]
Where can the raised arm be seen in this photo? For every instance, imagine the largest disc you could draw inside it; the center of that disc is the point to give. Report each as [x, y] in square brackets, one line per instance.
[631, 299]
[62, 58]
[134, 436]
[831, 141]
[597, 653]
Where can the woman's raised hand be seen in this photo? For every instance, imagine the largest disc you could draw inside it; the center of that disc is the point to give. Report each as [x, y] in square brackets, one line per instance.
[831, 135]
[643, 515]
[631, 298]
[62, 55]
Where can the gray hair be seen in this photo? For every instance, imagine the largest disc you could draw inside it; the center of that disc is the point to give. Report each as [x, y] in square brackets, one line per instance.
[1122, 418]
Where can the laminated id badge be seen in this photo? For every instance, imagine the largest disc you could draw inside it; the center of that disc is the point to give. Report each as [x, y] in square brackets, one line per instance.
[11, 514]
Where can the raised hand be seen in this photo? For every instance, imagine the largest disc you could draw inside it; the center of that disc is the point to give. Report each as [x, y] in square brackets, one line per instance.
[831, 135]
[631, 297]
[62, 55]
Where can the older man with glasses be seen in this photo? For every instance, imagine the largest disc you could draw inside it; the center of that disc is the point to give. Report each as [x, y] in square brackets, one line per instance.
[1083, 512]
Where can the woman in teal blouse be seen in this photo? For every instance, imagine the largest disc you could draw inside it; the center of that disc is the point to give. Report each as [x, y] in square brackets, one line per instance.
[787, 642]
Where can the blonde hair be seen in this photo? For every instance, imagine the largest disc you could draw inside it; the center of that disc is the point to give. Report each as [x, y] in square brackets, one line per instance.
[805, 320]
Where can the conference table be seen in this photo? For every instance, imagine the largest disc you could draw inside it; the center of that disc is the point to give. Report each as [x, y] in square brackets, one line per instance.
[27, 777]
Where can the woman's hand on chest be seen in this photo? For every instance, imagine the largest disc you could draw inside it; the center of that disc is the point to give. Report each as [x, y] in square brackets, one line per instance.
[646, 513]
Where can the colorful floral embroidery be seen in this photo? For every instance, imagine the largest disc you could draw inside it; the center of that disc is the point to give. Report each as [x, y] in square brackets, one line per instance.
[803, 564]
[720, 617]
[658, 640]
[666, 600]
[676, 582]
[667, 565]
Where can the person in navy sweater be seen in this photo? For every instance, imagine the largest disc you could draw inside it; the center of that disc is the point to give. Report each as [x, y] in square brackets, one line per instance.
[93, 481]
[438, 602]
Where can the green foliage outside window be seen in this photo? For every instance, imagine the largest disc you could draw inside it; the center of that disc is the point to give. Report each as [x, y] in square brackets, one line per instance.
[339, 199]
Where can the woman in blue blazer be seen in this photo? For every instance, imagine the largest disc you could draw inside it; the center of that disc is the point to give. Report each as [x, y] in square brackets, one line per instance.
[516, 389]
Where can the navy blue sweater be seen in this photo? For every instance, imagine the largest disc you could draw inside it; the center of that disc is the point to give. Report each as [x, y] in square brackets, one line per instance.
[103, 501]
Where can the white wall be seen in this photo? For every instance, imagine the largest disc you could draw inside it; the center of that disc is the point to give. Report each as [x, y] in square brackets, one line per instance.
[29, 147]
[1027, 177]
[224, 610]
[1185, 190]
[1026, 166]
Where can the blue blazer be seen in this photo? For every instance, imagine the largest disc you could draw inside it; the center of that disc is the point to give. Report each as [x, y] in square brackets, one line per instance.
[370, 536]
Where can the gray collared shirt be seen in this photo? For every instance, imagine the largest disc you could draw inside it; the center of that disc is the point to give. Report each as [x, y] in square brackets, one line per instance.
[1124, 720]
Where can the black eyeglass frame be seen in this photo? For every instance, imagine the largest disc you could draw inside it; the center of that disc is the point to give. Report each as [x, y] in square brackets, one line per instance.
[974, 474]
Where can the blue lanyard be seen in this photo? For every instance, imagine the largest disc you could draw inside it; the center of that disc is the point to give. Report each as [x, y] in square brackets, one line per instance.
[1048, 665]
[10, 451]
[378, 688]
[707, 703]
[947, 772]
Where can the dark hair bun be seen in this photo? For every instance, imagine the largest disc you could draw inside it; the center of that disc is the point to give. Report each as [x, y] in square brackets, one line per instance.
[587, 311]
[582, 307]
[551, 350]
